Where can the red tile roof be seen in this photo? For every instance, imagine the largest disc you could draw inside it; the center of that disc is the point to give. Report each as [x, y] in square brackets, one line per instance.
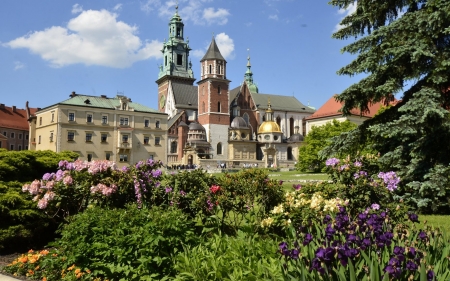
[14, 119]
[332, 107]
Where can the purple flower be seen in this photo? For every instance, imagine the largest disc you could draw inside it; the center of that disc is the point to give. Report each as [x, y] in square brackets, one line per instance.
[297, 186]
[357, 164]
[332, 162]
[390, 179]
[343, 167]
[375, 206]
[156, 173]
[399, 250]
[182, 193]
[294, 254]
[430, 275]
[308, 239]
[280, 182]
[413, 217]
[422, 236]
[168, 189]
[412, 266]
[326, 219]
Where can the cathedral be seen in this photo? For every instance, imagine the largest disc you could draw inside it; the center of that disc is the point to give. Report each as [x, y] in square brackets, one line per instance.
[211, 124]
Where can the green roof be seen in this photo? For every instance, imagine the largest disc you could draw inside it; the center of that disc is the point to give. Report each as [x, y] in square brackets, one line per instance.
[280, 103]
[105, 102]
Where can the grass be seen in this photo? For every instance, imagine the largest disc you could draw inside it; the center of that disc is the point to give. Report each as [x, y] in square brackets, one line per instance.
[295, 175]
[443, 222]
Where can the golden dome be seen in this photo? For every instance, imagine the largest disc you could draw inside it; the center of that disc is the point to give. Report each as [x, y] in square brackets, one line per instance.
[269, 127]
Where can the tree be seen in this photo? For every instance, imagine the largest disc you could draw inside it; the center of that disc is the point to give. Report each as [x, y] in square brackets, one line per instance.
[316, 140]
[402, 42]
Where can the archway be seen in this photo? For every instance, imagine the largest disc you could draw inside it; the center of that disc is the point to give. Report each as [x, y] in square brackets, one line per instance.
[289, 153]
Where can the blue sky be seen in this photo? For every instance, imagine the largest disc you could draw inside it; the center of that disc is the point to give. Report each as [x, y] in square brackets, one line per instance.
[50, 48]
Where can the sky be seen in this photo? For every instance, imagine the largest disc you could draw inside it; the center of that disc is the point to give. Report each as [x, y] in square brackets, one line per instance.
[49, 48]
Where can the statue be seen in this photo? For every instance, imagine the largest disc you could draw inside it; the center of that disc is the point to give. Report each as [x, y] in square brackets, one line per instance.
[254, 136]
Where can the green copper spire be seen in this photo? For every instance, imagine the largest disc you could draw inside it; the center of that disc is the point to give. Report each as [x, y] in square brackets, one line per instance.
[249, 77]
[176, 51]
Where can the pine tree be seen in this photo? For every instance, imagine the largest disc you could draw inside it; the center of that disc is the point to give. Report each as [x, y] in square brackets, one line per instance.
[400, 43]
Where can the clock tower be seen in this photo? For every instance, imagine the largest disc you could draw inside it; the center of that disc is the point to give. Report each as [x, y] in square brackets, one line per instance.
[176, 66]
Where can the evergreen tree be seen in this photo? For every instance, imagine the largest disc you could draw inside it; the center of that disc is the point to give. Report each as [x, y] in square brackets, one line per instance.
[399, 43]
[316, 140]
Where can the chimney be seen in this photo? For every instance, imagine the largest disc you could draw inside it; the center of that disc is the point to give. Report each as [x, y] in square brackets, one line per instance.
[73, 94]
[14, 108]
[2, 106]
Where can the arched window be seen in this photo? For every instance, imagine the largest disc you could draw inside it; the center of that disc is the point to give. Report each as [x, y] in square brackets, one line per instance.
[173, 147]
[279, 121]
[291, 126]
[219, 148]
[246, 118]
[203, 107]
[289, 153]
[218, 89]
[210, 69]
[218, 107]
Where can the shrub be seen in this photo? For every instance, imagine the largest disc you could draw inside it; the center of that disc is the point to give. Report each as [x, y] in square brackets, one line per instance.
[119, 244]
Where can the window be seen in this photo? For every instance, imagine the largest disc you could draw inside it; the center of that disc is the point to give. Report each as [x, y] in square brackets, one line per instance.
[20, 147]
[173, 147]
[157, 124]
[124, 121]
[26, 137]
[12, 135]
[0, 144]
[40, 121]
[71, 116]
[89, 157]
[146, 139]
[210, 69]
[70, 136]
[108, 155]
[26, 147]
[219, 148]
[88, 137]
[4, 133]
[165, 60]
[53, 117]
[146, 123]
[124, 138]
[104, 119]
[89, 118]
[12, 147]
[218, 106]
[179, 59]
[20, 136]
[150, 157]
[157, 140]
[104, 137]
[39, 139]
[51, 136]
[123, 158]
[124, 106]
[218, 89]
[246, 118]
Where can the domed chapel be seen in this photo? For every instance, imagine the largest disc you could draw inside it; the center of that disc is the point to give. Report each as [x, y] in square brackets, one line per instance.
[211, 124]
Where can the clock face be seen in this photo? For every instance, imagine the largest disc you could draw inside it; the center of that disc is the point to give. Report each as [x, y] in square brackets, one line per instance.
[162, 101]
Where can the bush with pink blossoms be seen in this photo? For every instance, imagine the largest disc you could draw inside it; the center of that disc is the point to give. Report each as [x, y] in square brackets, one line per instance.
[79, 184]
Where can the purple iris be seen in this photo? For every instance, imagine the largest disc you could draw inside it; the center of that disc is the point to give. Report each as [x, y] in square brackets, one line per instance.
[413, 217]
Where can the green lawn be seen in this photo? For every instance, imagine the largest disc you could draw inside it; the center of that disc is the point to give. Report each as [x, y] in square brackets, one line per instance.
[440, 221]
[295, 175]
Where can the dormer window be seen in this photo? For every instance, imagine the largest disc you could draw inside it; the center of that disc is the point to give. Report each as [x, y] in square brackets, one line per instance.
[124, 106]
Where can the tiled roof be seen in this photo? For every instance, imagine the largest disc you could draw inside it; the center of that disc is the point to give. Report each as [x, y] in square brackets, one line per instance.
[14, 119]
[104, 102]
[278, 102]
[332, 107]
[213, 52]
[234, 92]
[186, 96]
[174, 118]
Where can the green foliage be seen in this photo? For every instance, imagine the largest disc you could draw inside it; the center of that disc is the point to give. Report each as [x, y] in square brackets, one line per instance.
[316, 140]
[27, 165]
[130, 244]
[22, 225]
[394, 50]
[243, 257]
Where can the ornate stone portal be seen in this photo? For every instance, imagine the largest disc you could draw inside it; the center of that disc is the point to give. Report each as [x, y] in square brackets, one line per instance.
[270, 156]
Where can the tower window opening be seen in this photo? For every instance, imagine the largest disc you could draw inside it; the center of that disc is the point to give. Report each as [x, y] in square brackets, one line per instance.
[219, 148]
[178, 32]
[218, 89]
[210, 69]
[179, 59]
[218, 107]
[165, 60]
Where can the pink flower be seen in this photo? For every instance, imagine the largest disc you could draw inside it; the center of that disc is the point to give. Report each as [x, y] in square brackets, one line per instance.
[214, 188]
[68, 180]
[50, 184]
[42, 204]
[34, 187]
[49, 196]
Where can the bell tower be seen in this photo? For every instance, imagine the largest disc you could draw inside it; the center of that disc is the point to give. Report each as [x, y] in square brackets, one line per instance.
[213, 100]
[176, 65]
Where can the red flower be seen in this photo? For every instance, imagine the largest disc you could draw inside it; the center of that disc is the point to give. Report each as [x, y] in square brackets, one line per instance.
[214, 188]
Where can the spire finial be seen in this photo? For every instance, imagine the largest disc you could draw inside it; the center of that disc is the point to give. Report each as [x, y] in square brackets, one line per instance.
[176, 8]
[269, 103]
[248, 57]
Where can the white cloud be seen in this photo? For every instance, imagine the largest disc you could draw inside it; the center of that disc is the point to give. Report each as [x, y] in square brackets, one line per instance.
[189, 10]
[92, 38]
[77, 8]
[351, 9]
[118, 7]
[219, 16]
[225, 44]
[273, 17]
[18, 65]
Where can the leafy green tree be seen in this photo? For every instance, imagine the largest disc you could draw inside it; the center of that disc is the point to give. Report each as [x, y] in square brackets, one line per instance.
[402, 42]
[316, 140]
